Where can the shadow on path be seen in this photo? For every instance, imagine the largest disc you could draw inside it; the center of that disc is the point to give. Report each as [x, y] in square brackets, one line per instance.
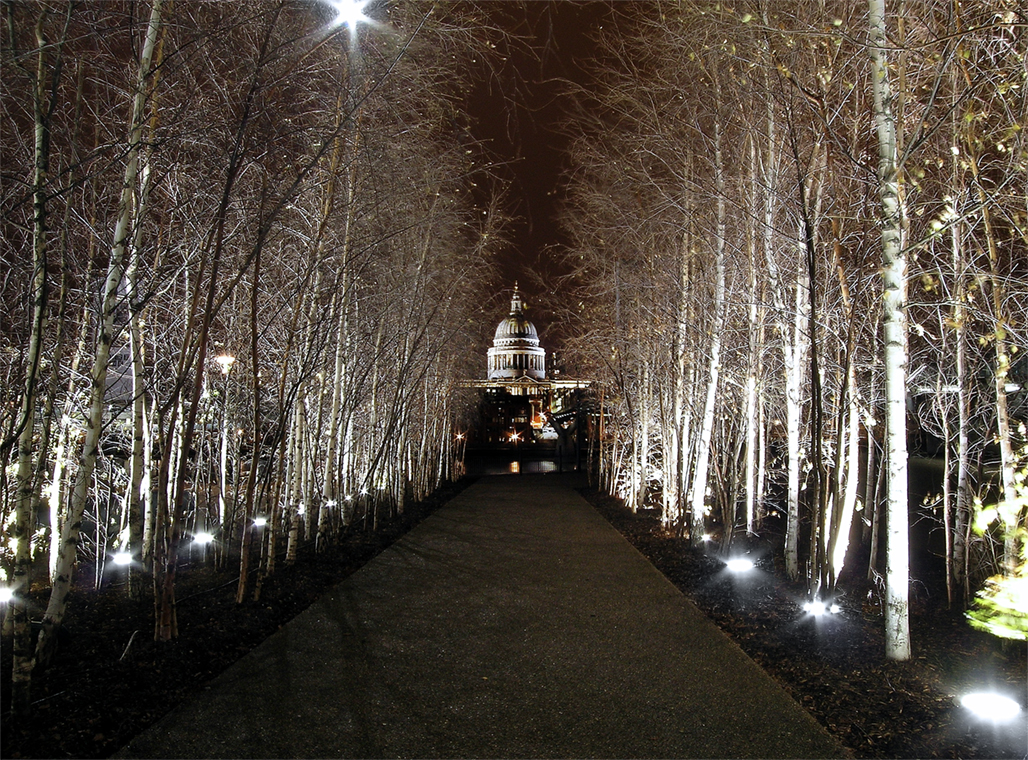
[513, 622]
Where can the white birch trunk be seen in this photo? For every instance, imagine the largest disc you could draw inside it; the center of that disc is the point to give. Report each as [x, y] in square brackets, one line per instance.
[750, 390]
[24, 501]
[98, 376]
[794, 355]
[963, 492]
[894, 267]
[852, 470]
[699, 485]
[642, 465]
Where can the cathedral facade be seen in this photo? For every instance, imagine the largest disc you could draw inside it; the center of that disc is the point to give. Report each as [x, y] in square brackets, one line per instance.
[520, 406]
[516, 351]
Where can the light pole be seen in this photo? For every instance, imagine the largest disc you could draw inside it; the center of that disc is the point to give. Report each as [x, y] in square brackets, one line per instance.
[225, 361]
[461, 448]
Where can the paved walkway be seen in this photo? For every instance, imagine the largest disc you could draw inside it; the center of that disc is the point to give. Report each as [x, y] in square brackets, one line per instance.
[513, 622]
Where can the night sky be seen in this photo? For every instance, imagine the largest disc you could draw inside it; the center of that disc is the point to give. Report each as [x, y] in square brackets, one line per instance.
[519, 111]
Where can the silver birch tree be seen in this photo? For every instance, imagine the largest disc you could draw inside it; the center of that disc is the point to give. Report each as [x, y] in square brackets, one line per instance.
[894, 333]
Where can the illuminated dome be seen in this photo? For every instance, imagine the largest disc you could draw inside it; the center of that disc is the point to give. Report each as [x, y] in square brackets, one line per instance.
[516, 352]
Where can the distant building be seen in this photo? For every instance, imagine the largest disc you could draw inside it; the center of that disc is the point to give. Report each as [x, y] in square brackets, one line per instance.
[516, 352]
[520, 407]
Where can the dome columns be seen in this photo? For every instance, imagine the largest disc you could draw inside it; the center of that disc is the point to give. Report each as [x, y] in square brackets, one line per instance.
[516, 351]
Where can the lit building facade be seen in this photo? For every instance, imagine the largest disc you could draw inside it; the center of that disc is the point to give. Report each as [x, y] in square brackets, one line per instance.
[519, 404]
[516, 351]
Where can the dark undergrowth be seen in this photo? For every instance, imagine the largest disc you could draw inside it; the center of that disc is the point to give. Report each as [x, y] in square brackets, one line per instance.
[834, 665]
[110, 680]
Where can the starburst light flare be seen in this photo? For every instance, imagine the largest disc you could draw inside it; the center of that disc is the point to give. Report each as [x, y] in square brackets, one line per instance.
[349, 13]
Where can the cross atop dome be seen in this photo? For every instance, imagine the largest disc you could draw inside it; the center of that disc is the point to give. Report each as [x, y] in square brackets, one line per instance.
[516, 306]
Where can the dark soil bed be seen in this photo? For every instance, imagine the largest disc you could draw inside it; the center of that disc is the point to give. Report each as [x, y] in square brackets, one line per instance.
[834, 665]
[100, 691]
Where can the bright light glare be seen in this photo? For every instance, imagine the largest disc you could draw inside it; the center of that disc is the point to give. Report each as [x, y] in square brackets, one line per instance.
[990, 706]
[122, 558]
[815, 608]
[203, 538]
[835, 609]
[225, 362]
[260, 522]
[706, 537]
[6, 594]
[739, 565]
[349, 13]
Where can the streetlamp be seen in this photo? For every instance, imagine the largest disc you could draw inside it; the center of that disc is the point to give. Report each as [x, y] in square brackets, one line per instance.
[349, 13]
[225, 361]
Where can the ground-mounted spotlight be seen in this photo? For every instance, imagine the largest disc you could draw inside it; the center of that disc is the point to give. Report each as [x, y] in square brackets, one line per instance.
[260, 522]
[706, 537]
[815, 608]
[203, 538]
[740, 565]
[990, 706]
[122, 558]
[6, 594]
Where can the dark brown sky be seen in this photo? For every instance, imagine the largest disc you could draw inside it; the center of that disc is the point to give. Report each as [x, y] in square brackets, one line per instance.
[519, 112]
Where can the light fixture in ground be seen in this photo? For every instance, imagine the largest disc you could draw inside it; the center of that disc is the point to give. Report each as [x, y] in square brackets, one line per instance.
[122, 558]
[990, 706]
[739, 565]
[818, 608]
[260, 522]
[6, 594]
[203, 538]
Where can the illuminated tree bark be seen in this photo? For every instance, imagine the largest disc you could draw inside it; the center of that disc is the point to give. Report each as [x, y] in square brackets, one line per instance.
[894, 267]
[98, 375]
[699, 483]
[45, 77]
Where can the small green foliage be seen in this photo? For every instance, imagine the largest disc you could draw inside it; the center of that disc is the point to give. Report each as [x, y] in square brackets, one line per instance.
[1001, 607]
